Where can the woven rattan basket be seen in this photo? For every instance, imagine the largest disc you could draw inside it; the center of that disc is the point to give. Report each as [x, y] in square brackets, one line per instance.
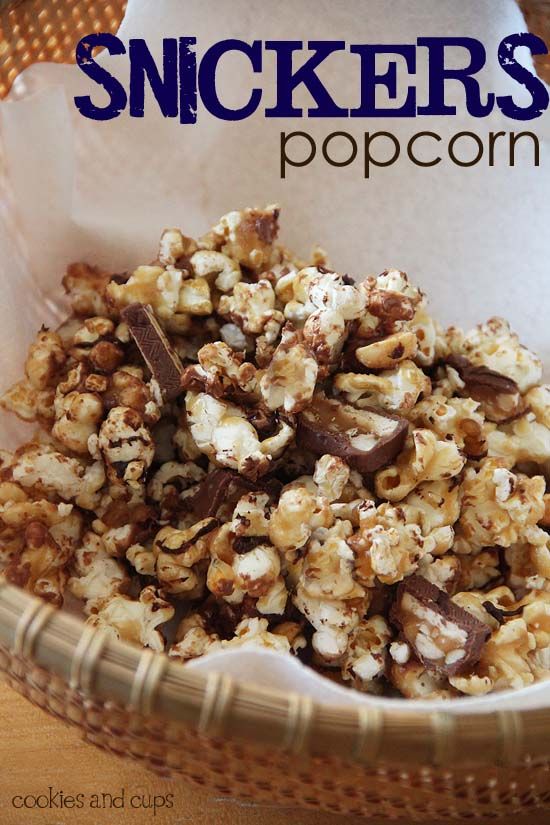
[233, 737]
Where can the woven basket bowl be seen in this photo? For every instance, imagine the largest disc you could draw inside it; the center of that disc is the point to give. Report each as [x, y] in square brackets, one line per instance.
[232, 737]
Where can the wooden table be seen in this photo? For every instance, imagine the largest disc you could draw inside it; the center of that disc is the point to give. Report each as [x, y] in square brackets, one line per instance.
[38, 751]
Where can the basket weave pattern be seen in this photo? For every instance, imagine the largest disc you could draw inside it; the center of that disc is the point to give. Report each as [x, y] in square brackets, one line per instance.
[230, 767]
[36, 31]
[232, 739]
[355, 761]
[537, 16]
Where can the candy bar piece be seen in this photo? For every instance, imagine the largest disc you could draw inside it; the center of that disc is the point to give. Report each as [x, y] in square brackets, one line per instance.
[499, 395]
[222, 485]
[367, 439]
[155, 348]
[444, 637]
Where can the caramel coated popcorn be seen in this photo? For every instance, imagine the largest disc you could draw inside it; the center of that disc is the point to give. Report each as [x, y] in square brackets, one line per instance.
[236, 448]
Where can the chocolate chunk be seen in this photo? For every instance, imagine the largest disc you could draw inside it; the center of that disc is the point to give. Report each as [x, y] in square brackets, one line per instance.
[501, 615]
[267, 227]
[194, 380]
[120, 277]
[221, 486]
[498, 394]
[201, 529]
[390, 307]
[119, 467]
[222, 618]
[155, 348]
[243, 544]
[482, 379]
[264, 421]
[350, 362]
[443, 636]
[367, 439]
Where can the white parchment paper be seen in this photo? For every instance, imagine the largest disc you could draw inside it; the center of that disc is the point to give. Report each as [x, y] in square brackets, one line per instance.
[476, 240]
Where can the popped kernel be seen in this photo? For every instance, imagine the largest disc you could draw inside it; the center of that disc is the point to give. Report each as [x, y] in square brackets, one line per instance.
[135, 620]
[290, 461]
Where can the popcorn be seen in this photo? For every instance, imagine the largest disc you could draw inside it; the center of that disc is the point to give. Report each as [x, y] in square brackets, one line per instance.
[93, 343]
[289, 381]
[331, 476]
[522, 440]
[254, 633]
[135, 620]
[234, 337]
[292, 631]
[220, 372]
[333, 620]
[194, 297]
[498, 507]
[366, 656]
[174, 245]
[426, 458]
[252, 308]
[434, 505]
[456, 418]
[40, 566]
[395, 390]
[529, 563]
[495, 346]
[32, 398]
[160, 288]
[215, 267]
[126, 389]
[538, 401]
[173, 483]
[85, 286]
[222, 432]
[386, 353]
[426, 335]
[297, 515]
[414, 681]
[313, 291]
[328, 567]
[251, 516]
[192, 639]
[178, 557]
[289, 460]
[478, 571]
[325, 333]
[77, 415]
[247, 237]
[388, 309]
[28, 403]
[45, 360]
[125, 444]
[45, 469]
[386, 547]
[258, 570]
[97, 576]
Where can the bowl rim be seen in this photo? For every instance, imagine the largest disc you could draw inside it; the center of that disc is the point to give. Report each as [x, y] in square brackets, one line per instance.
[116, 674]
[37, 636]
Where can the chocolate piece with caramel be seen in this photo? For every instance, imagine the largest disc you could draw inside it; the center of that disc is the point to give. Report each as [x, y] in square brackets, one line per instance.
[499, 395]
[367, 439]
[444, 637]
[155, 348]
[222, 485]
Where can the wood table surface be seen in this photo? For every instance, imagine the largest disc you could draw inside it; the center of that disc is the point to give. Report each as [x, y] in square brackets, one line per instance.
[38, 752]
